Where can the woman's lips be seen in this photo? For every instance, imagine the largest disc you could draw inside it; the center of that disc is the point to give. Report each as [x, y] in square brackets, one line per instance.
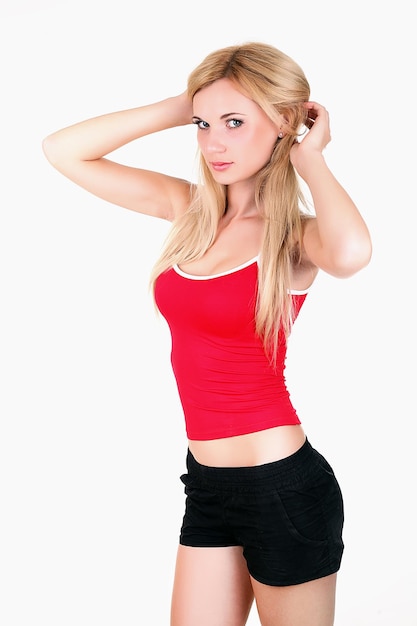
[220, 166]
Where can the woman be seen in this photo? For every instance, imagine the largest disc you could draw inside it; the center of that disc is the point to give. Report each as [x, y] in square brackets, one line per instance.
[264, 512]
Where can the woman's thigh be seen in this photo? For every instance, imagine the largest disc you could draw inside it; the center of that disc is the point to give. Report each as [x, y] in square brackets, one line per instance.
[212, 586]
[311, 603]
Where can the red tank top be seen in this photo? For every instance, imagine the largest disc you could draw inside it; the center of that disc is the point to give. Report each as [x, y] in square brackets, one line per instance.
[226, 384]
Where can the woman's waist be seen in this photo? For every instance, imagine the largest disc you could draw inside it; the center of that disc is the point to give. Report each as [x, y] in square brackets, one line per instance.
[258, 448]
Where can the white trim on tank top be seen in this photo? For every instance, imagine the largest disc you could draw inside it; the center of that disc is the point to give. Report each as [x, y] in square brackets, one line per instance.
[179, 271]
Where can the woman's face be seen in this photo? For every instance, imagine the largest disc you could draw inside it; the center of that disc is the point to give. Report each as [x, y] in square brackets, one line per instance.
[235, 136]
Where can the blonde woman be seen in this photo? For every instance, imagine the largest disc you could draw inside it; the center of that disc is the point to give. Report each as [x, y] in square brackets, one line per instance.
[264, 513]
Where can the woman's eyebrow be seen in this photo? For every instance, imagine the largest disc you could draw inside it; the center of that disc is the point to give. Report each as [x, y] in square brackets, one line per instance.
[222, 117]
[229, 114]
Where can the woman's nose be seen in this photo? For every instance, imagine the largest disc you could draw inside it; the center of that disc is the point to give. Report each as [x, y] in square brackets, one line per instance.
[213, 144]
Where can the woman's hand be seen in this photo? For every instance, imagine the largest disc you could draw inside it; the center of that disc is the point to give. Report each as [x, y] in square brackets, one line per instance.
[316, 139]
[184, 106]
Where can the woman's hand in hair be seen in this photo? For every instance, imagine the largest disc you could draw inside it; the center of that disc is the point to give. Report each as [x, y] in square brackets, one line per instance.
[315, 139]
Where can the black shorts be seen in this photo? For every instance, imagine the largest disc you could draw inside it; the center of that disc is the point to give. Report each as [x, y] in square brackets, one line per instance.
[287, 515]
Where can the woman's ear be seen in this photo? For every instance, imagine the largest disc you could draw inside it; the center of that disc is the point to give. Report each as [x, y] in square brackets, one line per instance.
[283, 123]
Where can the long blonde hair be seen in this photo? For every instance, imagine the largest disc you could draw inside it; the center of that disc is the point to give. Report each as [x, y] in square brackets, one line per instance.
[278, 85]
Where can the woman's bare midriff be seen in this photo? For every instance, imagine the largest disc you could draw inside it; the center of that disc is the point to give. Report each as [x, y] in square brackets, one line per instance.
[265, 446]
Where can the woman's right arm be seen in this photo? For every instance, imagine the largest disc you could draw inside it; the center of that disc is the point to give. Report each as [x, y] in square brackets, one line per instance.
[78, 152]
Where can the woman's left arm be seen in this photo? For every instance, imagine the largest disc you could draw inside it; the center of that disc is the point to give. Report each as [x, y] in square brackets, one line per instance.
[338, 240]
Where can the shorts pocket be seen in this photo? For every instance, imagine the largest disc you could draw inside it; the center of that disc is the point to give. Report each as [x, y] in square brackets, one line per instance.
[313, 510]
[302, 514]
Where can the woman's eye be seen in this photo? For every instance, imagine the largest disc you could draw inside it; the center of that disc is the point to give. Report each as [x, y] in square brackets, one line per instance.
[234, 123]
[201, 124]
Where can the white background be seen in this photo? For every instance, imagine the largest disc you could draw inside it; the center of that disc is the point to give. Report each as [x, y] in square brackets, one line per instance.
[92, 440]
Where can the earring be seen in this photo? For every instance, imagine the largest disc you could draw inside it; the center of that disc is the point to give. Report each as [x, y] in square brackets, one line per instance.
[280, 135]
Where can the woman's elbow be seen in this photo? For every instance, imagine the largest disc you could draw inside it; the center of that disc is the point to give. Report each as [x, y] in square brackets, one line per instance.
[50, 150]
[59, 154]
[352, 258]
